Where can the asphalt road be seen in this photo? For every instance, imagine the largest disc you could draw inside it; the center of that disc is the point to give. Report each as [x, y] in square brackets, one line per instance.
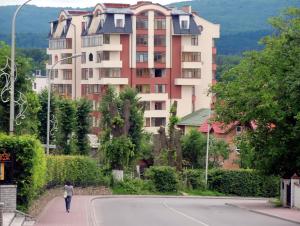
[176, 212]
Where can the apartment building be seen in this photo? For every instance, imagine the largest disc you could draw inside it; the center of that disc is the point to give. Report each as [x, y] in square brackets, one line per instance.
[167, 54]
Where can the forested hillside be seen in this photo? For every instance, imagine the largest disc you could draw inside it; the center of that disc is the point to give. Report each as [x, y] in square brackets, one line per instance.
[243, 22]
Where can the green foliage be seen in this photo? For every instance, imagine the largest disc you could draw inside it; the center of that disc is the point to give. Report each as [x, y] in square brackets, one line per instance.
[83, 123]
[23, 84]
[133, 187]
[66, 119]
[218, 151]
[42, 115]
[80, 170]
[29, 166]
[243, 183]
[194, 178]
[164, 178]
[118, 152]
[194, 149]
[225, 63]
[264, 88]
[146, 147]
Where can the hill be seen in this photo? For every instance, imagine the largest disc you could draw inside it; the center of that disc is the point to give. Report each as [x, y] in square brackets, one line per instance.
[243, 22]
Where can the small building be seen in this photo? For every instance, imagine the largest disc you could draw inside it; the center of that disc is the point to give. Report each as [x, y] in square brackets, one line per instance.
[39, 83]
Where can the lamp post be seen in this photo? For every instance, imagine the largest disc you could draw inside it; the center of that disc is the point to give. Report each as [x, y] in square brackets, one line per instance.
[12, 73]
[207, 145]
[49, 93]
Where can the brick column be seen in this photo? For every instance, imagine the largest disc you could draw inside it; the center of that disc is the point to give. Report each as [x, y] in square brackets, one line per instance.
[8, 195]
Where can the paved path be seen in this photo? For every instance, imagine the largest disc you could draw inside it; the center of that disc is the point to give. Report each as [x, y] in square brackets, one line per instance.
[55, 214]
[129, 211]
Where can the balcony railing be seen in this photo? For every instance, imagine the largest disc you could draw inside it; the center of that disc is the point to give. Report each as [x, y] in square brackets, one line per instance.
[62, 43]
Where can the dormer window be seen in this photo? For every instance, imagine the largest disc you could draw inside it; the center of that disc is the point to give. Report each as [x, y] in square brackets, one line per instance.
[119, 20]
[184, 21]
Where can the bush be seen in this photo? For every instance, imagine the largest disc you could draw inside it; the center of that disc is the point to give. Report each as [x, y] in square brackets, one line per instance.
[29, 166]
[79, 170]
[243, 183]
[164, 178]
[133, 186]
[194, 179]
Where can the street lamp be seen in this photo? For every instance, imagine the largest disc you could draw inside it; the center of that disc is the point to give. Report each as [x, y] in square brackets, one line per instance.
[207, 145]
[12, 73]
[49, 93]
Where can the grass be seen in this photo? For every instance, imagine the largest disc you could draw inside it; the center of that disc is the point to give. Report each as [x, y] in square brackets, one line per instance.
[199, 192]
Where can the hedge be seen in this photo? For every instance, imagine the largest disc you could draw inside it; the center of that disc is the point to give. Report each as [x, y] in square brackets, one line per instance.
[79, 170]
[164, 178]
[29, 166]
[243, 183]
[194, 178]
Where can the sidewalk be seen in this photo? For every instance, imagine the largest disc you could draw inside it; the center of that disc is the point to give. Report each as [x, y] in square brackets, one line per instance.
[55, 214]
[266, 208]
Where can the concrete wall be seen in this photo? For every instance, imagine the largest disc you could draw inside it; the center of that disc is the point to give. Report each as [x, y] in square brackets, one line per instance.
[8, 195]
[297, 196]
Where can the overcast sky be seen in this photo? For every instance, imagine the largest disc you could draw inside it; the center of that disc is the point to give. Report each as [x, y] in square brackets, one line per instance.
[75, 3]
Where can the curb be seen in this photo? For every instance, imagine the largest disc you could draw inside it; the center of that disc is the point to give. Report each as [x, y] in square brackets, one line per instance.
[262, 213]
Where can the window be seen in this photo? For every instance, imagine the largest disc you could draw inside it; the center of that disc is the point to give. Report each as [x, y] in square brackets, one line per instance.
[147, 122]
[191, 73]
[191, 57]
[90, 72]
[34, 85]
[159, 24]
[144, 14]
[160, 88]
[159, 57]
[142, 40]
[50, 59]
[91, 41]
[141, 23]
[84, 73]
[159, 40]
[66, 55]
[119, 20]
[105, 55]
[142, 72]
[156, 122]
[194, 40]
[143, 88]
[158, 72]
[158, 14]
[62, 89]
[184, 24]
[67, 74]
[159, 105]
[142, 57]
[83, 57]
[109, 73]
[91, 57]
[106, 39]
[95, 88]
[145, 105]
[56, 73]
[102, 55]
[65, 43]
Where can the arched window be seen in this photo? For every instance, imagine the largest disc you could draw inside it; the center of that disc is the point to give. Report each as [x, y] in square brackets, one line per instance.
[91, 57]
[56, 58]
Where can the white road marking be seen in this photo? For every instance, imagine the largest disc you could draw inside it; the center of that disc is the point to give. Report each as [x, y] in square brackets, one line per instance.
[185, 215]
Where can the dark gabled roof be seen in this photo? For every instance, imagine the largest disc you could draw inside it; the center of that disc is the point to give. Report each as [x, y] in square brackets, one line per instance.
[64, 34]
[109, 26]
[55, 23]
[193, 30]
[196, 118]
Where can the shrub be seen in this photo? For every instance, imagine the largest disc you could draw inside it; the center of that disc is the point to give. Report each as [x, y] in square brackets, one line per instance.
[29, 166]
[79, 170]
[243, 183]
[194, 178]
[164, 178]
[133, 186]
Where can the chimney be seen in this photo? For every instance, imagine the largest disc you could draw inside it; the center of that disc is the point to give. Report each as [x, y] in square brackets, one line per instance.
[187, 8]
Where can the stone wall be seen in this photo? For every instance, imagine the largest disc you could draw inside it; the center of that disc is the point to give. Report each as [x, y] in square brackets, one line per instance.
[8, 195]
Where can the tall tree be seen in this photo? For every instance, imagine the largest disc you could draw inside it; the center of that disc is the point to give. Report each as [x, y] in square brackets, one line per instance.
[83, 124]
[66, 119]
[264, 90]
[23, 84]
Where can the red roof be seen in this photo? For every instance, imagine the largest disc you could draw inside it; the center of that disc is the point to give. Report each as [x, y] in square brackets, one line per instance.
[217, 127]
[116, 5]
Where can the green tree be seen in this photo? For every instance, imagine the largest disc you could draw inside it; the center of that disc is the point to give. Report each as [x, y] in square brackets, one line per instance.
[194, 149]
[83, 124]
[42, 115]
[66, 123]
[264, 88]
[23, 84]
[218, 151]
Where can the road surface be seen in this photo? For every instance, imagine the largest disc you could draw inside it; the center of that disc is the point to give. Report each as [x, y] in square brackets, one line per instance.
[176, 212]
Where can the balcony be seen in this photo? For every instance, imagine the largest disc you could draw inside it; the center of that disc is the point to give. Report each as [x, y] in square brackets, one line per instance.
[110, 64]
[190, 48]
[113, 81]
[192, 64]
[111, 47]
[187, 81]
[61, 43]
